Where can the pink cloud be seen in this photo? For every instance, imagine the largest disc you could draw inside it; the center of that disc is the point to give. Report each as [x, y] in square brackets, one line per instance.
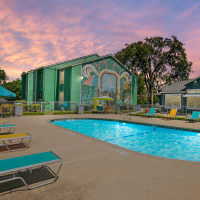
[32, 40]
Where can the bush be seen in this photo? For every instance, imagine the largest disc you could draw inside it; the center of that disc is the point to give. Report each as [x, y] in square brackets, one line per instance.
[142, 100]
[63, 112]
[8, 108]
[8, 114]
[35, 107]
[33, 113]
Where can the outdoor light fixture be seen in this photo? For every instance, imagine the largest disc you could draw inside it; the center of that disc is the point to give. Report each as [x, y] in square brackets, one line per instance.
[81, 78]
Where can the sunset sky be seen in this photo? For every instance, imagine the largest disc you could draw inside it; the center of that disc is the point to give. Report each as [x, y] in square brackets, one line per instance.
[35, 33]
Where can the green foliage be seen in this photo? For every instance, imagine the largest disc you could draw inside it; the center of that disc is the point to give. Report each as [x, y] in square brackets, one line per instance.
[8, 107]
[33, 113]
[15, 87]
[142, 100]
[35, 107]
[3, 76]
[63, 112]
[141, 85]
[156, 99]
[158, 60]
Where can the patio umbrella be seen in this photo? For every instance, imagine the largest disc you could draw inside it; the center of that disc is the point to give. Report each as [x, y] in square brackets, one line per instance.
[6, 93]
[105, 98]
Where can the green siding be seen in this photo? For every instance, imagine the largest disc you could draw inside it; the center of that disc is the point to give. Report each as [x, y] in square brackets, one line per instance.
[67, 84]
[23, 90]
[30, 87]
[72, 82]
[76, 83]
[34, 85]
[49, 85]
[39, 84]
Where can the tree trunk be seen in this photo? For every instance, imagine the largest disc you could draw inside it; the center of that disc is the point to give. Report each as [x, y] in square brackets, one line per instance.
[151, 95]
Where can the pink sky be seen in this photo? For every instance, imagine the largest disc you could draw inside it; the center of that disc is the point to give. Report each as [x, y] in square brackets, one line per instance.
[36, 33]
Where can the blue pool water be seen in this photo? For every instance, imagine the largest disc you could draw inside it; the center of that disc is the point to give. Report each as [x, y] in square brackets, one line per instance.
[152, 140]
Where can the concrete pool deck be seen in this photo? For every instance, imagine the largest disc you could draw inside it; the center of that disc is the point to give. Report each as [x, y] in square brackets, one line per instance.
[96, 170]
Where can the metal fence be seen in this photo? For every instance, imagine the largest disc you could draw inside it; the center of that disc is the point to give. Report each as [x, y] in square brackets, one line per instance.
[9, 107]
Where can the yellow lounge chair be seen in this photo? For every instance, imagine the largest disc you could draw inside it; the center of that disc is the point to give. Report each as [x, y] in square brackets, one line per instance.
[172, 113]
[8, 141]
[3, 121]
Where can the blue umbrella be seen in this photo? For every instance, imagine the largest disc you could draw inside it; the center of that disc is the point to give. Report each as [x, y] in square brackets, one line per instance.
[6, 93]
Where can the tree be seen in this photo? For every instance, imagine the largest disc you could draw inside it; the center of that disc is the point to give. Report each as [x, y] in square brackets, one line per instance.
[14, 86]
[3, 76]
[159, 60]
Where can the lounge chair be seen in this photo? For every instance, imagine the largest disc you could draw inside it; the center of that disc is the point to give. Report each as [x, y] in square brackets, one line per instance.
[150, 113]
[3, 121]
[106, 109]
[18, 168]
[10, 127]
[172, 113]
[8, 142]
[100, 109]
[194, 117]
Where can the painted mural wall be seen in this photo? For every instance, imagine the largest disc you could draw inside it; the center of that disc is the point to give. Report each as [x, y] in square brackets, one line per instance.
[105, 78]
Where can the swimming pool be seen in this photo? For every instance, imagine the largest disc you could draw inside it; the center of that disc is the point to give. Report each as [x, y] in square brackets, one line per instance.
[152, 140]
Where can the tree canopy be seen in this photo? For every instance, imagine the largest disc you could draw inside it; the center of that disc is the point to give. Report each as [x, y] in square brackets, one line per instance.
[3, 76]
[15, 87]
[159, 60]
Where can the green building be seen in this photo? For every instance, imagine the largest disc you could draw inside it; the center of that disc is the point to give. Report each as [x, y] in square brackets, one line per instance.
[79, 80]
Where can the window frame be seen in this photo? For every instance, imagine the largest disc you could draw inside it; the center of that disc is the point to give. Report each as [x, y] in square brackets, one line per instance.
[173, 101]
[195, 103]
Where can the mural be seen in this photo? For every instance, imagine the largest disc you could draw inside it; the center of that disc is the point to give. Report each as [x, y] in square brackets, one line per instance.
[105, 78]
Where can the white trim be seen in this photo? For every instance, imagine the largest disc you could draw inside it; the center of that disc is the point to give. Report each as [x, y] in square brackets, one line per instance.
[172, 101]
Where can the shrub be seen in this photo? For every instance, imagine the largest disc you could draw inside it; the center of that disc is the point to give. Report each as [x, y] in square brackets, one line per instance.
[35, 107]
[63, 112]
[33, 113]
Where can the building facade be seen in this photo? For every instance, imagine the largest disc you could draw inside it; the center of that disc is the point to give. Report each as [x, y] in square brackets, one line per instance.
[183, 95]
[80, 80]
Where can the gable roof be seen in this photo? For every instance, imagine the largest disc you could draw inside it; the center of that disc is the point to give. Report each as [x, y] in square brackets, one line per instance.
[67, 61]
[177, 87]
[101, 58]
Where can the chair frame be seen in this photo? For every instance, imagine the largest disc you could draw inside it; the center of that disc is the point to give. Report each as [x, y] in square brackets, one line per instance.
[29, 168]
[193, 120]
[8, 141]
[11, 128]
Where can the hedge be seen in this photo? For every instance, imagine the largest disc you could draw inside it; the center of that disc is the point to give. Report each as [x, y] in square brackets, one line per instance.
[33, 113]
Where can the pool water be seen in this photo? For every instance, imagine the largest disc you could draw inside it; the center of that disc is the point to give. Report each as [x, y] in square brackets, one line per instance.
[152, 140]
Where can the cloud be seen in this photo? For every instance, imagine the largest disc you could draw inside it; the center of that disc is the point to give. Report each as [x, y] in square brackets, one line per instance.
[34, 34]
[184, 15]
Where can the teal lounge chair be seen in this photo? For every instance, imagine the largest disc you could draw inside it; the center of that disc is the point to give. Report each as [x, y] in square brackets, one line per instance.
[195, 116]
[11, 169]
[151, 113]
[10, 128]
[100, 109]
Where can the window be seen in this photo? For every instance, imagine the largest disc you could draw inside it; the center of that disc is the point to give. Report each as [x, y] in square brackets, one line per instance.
[193, 102]
[172, 100]
[61, 97]
[61, 86]
[61, 79]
